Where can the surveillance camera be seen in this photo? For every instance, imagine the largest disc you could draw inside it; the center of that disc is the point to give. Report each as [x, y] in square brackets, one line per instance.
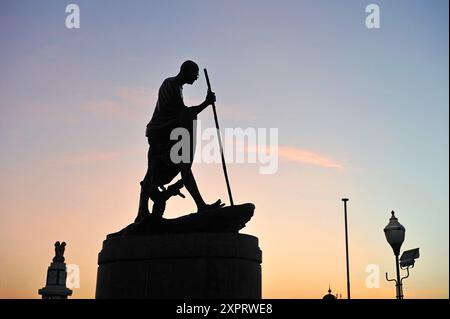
[408, 257]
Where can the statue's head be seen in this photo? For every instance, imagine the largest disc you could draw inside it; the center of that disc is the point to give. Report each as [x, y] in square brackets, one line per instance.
[189, 72]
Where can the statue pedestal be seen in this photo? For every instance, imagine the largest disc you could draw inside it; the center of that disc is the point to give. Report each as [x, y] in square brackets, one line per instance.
[186, 265]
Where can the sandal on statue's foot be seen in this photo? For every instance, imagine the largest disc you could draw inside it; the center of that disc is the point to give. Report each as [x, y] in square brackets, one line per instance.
[209, 207]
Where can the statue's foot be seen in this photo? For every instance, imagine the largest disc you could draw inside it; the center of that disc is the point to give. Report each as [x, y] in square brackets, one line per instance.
[209, 207]
[141, 216]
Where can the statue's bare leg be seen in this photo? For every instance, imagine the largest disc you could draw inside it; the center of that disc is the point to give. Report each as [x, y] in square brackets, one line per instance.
[143, 202]
[191, 186]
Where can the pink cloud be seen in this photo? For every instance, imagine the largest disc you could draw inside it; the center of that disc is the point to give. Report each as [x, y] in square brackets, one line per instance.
[298, 155]
[294, 154]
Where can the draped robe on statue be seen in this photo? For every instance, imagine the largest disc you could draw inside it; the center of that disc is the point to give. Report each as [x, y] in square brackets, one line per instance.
[170, 113]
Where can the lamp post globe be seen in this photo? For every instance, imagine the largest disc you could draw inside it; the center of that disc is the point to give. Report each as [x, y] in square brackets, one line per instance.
[395, 234]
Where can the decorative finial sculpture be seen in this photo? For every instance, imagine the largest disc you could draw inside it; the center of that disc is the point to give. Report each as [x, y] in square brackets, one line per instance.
[59, 252]
[55, 287]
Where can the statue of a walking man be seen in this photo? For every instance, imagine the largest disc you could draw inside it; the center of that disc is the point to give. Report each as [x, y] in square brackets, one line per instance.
[171, 113]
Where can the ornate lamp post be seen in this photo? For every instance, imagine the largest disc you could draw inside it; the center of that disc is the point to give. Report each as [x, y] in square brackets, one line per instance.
[395, 235]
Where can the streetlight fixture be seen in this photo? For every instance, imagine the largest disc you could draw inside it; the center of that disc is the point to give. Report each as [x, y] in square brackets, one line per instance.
[395, 236]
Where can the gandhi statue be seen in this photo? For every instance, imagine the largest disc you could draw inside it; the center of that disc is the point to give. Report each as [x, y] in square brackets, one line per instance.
[171, 113]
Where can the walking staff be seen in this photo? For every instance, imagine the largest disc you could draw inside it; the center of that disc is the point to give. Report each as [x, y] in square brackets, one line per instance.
[220, 142]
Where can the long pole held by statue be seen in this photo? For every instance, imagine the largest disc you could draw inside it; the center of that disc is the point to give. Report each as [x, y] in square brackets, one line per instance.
[220, 142]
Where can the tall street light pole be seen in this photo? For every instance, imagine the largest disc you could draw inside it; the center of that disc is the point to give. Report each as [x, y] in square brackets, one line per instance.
[345, 200]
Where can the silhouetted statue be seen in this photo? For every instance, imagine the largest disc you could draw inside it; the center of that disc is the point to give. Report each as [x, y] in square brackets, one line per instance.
[59, 252]
[170, 113]
[55, 286]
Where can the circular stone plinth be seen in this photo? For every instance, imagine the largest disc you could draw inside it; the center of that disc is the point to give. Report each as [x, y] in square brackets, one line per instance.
[191, 265]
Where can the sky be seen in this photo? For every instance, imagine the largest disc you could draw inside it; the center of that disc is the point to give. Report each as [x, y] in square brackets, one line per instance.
[361, 113]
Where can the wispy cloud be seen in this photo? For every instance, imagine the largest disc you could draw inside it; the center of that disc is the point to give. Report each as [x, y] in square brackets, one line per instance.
[294, 154]
[284, 152]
